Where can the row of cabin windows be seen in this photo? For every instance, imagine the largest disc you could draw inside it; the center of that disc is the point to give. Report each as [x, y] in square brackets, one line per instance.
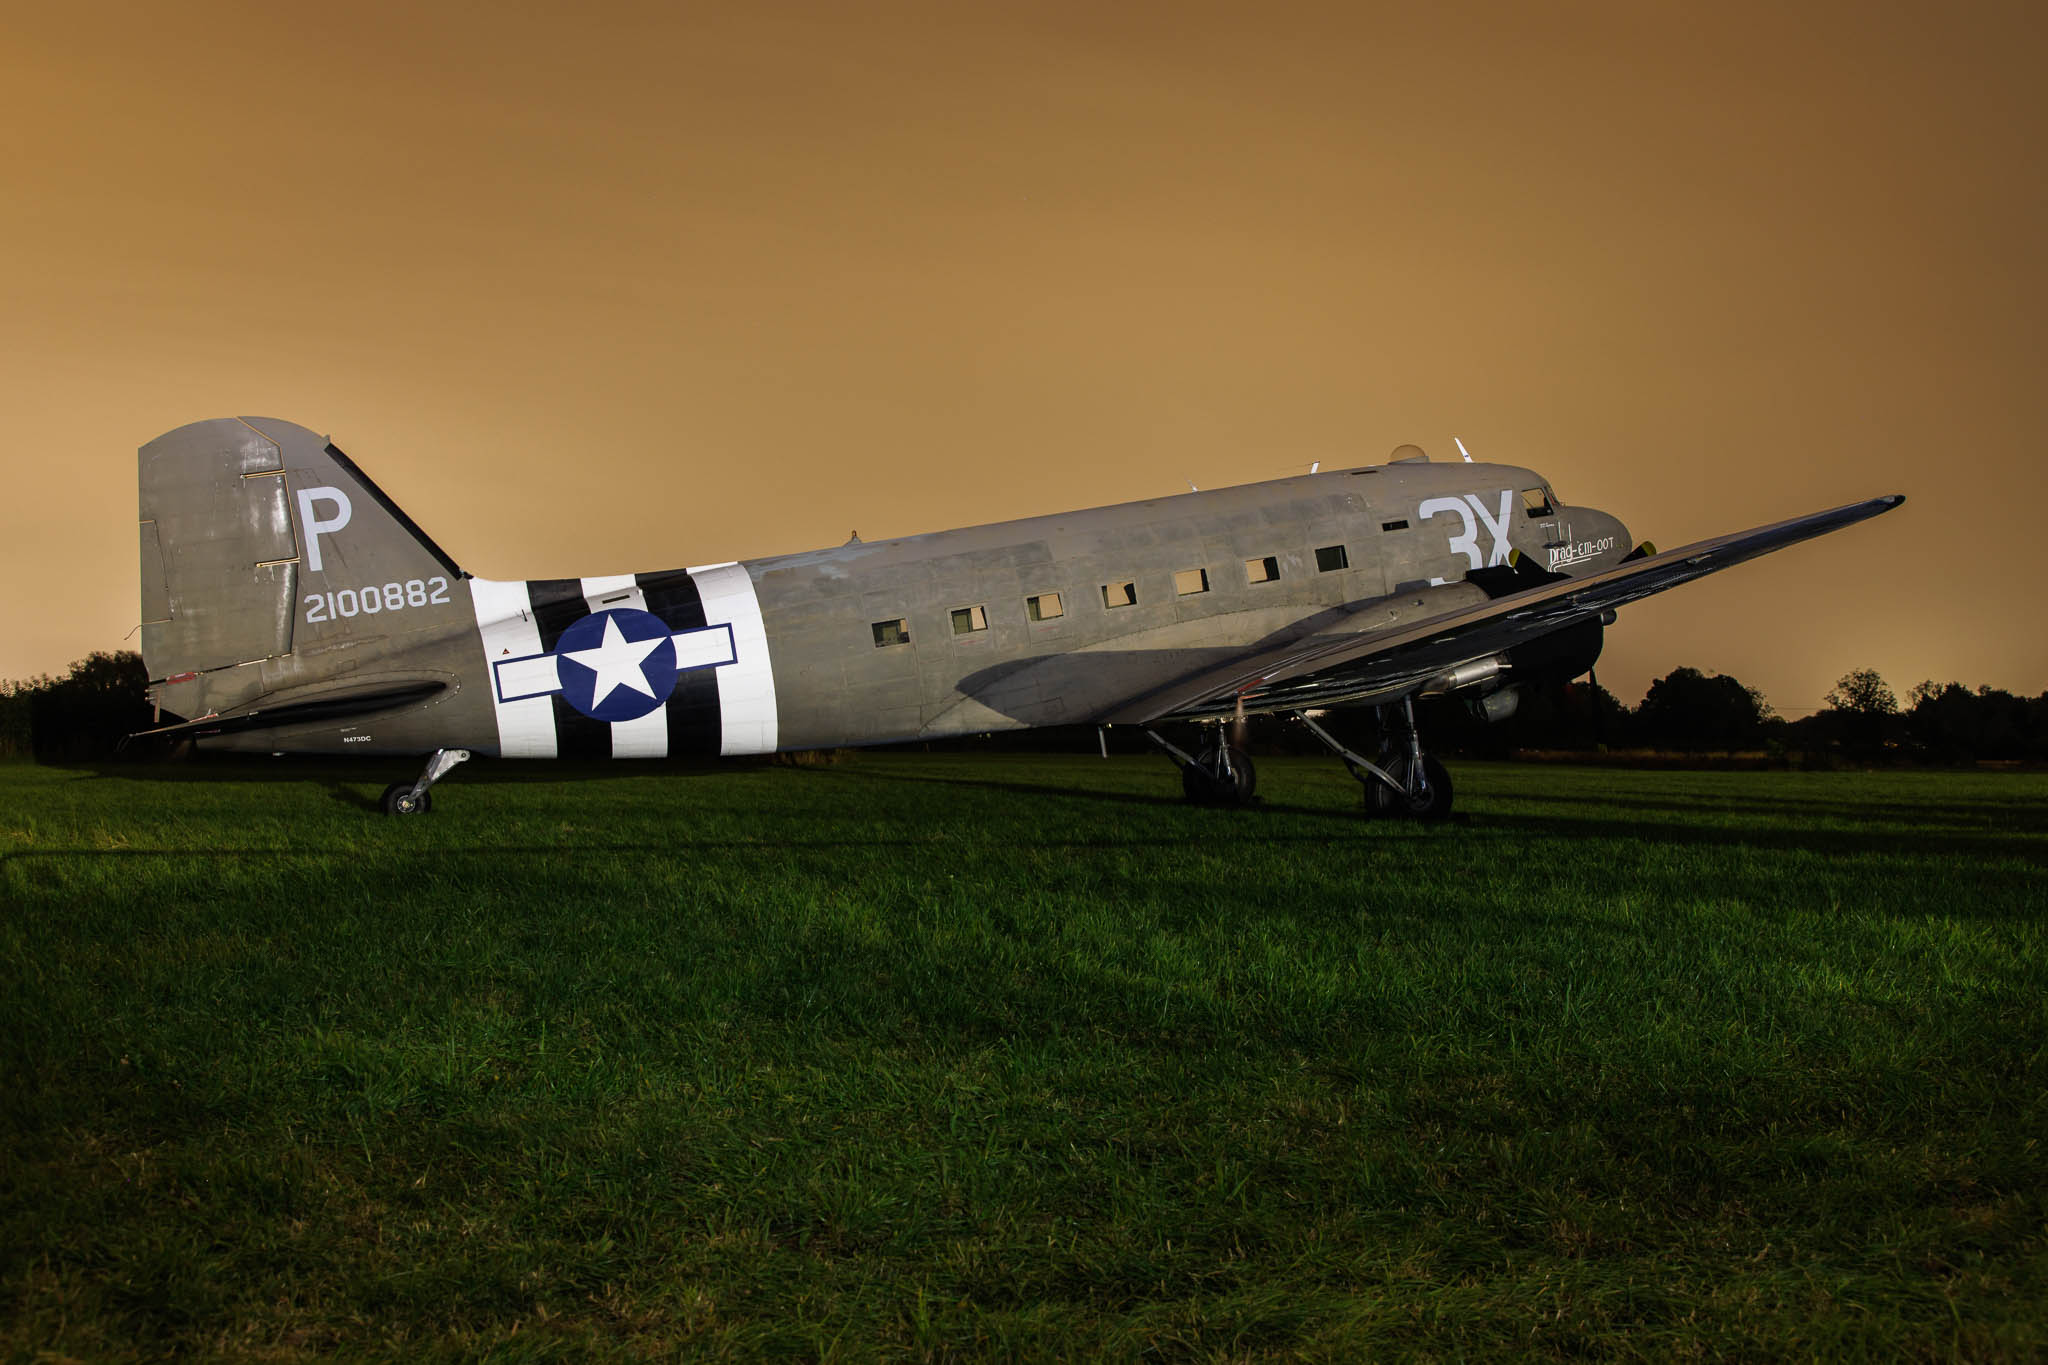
[1046, 606]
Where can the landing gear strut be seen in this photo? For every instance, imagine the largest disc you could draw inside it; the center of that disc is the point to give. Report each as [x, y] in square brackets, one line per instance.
[416, 798]
[1406, 781]
[1220, 774]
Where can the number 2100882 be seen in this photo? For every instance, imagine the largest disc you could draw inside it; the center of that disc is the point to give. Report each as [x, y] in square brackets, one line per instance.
[368, 601]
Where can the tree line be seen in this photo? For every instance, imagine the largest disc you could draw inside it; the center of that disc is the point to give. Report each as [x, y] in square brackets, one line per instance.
[81, 716]
[1690, 711]
[85, 714]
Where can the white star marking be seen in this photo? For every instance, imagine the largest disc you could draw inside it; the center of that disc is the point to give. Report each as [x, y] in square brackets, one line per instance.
[616, 662]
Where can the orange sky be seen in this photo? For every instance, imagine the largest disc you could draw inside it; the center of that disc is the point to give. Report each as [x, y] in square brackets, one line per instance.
[639, 286]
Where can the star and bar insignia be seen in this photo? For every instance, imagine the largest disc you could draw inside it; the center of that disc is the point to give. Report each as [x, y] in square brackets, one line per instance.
[615, 665]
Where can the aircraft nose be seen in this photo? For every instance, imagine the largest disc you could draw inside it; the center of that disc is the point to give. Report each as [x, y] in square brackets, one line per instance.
[1589, 540]
[1613, 529]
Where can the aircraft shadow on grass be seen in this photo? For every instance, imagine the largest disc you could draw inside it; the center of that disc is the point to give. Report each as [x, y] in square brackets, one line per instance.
[1162, 801]
[1945, 830]
[1957, 832]
[2016, 815]
[1967, 853]
[308, 767]
[340, 778]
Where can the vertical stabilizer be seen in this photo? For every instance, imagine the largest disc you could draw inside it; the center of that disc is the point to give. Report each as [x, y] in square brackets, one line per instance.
[267, 557]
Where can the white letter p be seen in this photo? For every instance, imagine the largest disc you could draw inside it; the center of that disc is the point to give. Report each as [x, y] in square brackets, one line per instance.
[313, 525]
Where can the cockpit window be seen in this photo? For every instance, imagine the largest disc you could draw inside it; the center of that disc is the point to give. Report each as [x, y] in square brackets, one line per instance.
[1536, 502]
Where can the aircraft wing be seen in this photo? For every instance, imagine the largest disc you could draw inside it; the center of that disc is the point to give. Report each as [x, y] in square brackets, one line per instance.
[1333, 667]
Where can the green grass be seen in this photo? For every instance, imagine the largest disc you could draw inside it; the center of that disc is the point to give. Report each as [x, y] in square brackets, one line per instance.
[938, 1056]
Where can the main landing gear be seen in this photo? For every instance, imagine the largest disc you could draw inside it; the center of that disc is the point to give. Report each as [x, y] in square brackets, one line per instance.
[1405, 781]
[416, 798]
[1220, 774]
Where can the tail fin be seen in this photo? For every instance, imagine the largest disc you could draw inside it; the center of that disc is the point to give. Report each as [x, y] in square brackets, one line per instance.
[239, 516]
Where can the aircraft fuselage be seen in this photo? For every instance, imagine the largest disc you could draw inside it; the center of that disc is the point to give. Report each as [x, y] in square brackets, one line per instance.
[1040, 621]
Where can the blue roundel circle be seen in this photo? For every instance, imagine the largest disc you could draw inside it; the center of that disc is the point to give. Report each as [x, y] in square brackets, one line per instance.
[616, 665]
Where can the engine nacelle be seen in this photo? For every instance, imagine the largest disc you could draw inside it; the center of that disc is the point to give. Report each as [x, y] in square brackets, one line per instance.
[1565, 654]
[1496, 707]
[1465, 675]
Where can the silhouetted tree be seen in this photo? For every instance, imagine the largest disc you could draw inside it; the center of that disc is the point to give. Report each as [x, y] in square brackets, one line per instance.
[1690, 710]
[17, 715]
[1861, 711]
[1942, 719]
[1589, 716]
[85, 714]
[1950, 722]
[1863, 691]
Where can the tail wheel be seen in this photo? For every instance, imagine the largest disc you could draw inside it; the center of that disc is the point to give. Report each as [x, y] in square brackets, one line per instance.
[1428, 800]
[399, 800]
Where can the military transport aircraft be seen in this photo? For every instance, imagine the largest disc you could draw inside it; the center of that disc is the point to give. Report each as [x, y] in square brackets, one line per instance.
[288, 605]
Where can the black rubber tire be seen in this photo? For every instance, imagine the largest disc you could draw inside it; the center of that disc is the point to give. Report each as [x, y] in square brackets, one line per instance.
[398, 800]
[1247, 777]
[1207, 789]
[1433, 804]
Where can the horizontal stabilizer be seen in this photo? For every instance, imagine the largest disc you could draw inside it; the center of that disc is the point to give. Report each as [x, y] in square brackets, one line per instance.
[330, 707]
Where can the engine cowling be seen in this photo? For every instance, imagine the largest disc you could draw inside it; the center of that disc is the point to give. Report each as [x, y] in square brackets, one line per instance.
[1562, 654]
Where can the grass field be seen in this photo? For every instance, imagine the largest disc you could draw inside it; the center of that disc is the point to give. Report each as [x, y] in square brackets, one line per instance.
[941, 1055]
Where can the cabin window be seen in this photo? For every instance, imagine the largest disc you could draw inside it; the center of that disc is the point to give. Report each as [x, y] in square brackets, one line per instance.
[1188, 582]
[1536, 502]
[1394, 525]
[1044, 607]
[896, 632]
[968, 620]
[1331, 558]
[1119, 594]
[1262, 570]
